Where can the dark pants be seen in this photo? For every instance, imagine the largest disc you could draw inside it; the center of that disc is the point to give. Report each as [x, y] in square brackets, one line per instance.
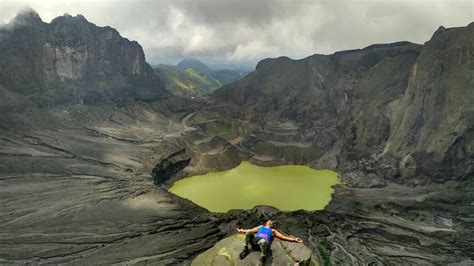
[257, 244]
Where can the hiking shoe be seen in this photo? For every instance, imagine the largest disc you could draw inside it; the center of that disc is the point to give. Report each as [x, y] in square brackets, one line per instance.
[263, 259]
[244, 253]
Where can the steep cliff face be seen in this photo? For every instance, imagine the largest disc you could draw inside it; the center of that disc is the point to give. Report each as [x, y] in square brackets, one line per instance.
[434, 126]
[396, 110]
[72, 60]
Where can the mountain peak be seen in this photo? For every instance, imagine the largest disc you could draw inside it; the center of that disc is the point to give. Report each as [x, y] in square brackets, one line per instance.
[67, 18]
[43, 56]
[26, 16]
[77, 17]
[440, 30]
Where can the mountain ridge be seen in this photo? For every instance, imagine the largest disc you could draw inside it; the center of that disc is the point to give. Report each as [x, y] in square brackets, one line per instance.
[361, 95]
[73, 61]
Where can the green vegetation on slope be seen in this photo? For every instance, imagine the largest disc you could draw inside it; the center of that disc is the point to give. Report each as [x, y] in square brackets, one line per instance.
[189, 82]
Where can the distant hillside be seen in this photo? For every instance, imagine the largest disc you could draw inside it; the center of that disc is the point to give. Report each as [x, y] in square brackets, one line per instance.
[227, 76]
[191, 63]
[239, 67]
[192, 78]
[223, 73]
[189, 82]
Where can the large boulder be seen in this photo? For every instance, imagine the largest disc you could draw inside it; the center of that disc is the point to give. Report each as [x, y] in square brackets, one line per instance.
[226, 252]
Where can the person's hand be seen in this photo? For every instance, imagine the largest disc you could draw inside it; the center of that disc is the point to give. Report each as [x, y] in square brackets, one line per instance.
[240, 230]
[298, 240]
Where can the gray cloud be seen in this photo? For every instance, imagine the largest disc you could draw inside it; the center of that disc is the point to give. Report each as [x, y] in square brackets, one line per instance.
[249, 30]
[244, 12]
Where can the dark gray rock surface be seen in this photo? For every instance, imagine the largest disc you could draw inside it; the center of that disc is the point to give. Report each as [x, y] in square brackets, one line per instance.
[71, 60]
[76, 187]
[226, 252]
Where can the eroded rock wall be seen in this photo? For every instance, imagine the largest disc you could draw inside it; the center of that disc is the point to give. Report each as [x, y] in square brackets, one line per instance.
[71, 60]
[433, 128]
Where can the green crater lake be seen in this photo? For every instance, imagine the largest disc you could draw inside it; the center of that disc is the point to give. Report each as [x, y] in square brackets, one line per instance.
[288, 188]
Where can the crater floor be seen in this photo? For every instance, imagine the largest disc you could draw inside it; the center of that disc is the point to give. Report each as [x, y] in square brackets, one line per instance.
[76, 188]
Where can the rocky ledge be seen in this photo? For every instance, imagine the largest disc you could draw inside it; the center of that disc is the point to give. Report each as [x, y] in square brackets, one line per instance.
[226, 252]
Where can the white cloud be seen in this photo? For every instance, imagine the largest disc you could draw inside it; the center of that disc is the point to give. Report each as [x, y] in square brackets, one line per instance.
[252, 50]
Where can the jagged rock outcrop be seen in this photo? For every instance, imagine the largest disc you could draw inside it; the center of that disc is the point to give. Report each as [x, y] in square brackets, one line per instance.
[71, 60]
[226, 252]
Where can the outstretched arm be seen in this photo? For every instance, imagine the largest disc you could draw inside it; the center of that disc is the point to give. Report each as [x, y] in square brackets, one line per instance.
[253, 230]
[286, 238]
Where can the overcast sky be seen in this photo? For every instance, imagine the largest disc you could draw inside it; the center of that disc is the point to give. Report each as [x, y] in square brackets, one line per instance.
[250, 30]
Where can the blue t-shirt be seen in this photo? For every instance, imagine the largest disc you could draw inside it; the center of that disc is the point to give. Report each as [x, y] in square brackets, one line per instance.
[264, 233]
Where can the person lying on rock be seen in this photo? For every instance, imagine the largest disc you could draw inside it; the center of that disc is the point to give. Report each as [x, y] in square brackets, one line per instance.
[260, 238]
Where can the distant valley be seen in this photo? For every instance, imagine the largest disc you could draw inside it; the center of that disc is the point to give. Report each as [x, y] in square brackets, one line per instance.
[192, 78]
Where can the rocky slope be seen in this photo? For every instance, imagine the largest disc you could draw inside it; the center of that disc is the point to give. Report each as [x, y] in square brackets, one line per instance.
[70, 60]
[76, 188]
